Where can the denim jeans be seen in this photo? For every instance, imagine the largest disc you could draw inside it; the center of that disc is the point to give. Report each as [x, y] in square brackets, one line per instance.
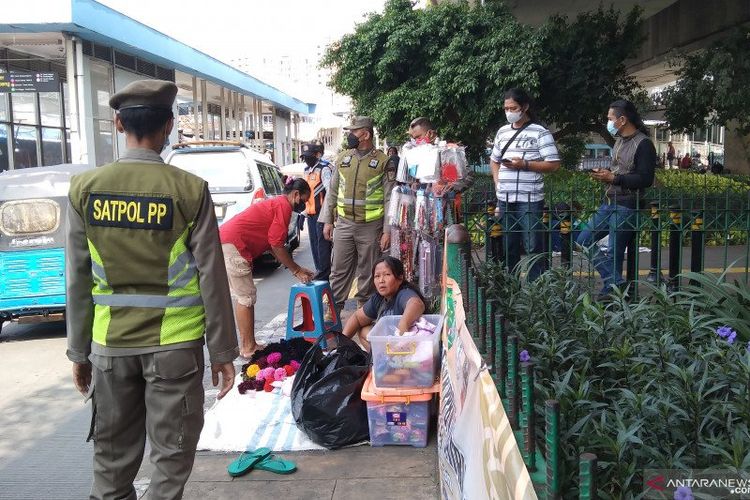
[618, 222]
[522, 224]
[320, 248]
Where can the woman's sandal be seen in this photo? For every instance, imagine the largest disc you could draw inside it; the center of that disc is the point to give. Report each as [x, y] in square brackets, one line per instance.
[247, 461]
[276, 465]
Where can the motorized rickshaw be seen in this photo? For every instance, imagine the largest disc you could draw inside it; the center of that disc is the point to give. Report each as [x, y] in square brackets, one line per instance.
[33, 208]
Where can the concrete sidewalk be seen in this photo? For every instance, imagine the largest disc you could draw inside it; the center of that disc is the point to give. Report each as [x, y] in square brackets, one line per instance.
[361, 472]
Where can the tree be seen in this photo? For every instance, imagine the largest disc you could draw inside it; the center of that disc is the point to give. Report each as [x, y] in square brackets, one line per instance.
[713, 86]
[583, 69]
[453, 62]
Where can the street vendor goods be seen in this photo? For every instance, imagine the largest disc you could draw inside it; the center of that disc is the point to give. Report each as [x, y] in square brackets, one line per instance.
[273, 363]
[406, 359]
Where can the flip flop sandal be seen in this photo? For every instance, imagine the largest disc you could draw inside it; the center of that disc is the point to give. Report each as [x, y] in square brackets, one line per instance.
[276, 465]
[247, 461]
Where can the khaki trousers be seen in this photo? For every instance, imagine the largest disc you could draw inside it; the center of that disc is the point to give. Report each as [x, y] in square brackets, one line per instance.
[159, 395]
[356, 247]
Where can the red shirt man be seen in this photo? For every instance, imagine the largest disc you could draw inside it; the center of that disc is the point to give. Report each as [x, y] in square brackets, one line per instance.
[259, 227]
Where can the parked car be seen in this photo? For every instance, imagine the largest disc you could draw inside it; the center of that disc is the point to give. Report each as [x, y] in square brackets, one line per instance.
[237, 176]
[33, 209]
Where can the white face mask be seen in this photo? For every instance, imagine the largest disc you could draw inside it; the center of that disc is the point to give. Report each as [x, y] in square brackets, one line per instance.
[513, 116]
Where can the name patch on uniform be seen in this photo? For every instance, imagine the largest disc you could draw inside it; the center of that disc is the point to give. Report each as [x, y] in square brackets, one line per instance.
[132, 212]
[373, 164]
[346, 161]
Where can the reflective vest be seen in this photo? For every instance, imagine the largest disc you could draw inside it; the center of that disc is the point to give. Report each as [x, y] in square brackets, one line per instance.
[138, 218]
[361, 196]
[314, 179]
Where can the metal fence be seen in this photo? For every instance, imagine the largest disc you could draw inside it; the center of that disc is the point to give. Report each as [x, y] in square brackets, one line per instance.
[689, 222]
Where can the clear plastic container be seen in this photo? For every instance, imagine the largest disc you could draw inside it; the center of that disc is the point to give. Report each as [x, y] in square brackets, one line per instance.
[398, 417]
[409, 361]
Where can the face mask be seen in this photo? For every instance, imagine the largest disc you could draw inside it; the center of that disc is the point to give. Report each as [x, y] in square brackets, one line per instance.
[166, 143]
[611, 128]
[422, 140]
[513, 116]
[299, 207]
[352, 140]
[311, 161]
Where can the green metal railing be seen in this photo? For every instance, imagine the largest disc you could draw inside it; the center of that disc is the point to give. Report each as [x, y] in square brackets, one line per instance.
[697, 226]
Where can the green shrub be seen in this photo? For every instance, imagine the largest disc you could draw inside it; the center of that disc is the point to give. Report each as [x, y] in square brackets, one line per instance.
[647, 384]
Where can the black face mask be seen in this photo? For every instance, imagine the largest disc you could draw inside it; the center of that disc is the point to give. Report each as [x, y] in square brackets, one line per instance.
[299, 207]
[352, 140]
[311, 161]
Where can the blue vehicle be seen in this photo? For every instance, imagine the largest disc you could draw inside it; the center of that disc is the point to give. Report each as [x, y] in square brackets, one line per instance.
[33, 208]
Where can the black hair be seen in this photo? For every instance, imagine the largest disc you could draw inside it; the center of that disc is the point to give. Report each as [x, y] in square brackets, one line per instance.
[523, 98]
[423, 122]
[397, 268]
[298, 184]
[624, 107]
[394, 148]
[144, 121]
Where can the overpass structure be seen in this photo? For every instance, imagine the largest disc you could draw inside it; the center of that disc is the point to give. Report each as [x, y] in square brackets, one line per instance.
[671, 26]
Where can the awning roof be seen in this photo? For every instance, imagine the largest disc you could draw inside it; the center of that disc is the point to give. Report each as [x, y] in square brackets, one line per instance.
[98, 23]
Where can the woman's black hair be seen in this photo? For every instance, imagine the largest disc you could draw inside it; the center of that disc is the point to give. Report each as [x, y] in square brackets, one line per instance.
[394, 148]
[397, 268]
[144, 121]
[523, 98]
[624, 107]
[298, 184]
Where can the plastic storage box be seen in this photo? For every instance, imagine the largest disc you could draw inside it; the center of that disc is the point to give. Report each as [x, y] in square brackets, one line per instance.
[398, 416]
[405, 362]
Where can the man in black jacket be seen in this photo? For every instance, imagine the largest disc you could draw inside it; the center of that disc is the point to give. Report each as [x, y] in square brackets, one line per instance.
[632, 171]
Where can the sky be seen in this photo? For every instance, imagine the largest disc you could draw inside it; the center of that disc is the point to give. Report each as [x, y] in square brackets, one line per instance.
[229, 29]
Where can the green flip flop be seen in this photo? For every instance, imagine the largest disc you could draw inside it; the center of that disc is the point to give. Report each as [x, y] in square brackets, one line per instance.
[276, 465]
[247, 461]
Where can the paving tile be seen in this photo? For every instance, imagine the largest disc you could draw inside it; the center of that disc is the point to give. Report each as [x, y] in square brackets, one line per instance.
[387, 488]
[268, 490]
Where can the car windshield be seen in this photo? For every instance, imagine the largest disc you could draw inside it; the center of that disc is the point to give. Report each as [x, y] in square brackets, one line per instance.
[225, 171]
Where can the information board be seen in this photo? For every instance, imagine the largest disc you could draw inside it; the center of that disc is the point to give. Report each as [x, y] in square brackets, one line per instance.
[28, 81]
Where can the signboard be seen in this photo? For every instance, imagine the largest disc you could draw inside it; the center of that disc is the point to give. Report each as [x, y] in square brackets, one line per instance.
[28, 81]
[477, 452]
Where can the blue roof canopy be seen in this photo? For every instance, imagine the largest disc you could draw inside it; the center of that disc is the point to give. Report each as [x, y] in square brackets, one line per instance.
[98, 23]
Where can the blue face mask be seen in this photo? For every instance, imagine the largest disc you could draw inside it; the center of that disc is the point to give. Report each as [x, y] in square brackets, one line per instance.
[611, 128]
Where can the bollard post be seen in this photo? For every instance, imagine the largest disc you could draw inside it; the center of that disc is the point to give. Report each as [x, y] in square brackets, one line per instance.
[470, 319]
[546, 237]
[495, 240]
[529, 427]
[552, 438]
[482, 320]
[489, 354]
[675, 244]
[457, 242]
[566, 227]
[654, 272]
[499, 361]
[697, 243]
[587, 477]
[512, 382]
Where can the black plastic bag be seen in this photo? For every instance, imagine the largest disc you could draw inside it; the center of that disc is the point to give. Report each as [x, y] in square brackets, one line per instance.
[327, 393]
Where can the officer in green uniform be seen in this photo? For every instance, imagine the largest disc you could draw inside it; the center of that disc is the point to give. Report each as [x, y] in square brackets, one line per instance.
[357, 202]
[146, 283]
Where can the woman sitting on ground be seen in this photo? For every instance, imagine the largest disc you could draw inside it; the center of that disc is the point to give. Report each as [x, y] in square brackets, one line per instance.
[395, 296]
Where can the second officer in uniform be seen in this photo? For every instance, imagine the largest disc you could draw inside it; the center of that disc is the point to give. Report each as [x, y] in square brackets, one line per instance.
[357, 202]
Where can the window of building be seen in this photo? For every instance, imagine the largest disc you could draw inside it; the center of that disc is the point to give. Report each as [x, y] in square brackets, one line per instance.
[103, 120]
[4, 159]
[25, 144]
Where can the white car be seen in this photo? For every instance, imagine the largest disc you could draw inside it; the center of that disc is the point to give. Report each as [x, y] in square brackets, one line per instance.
[237, 176]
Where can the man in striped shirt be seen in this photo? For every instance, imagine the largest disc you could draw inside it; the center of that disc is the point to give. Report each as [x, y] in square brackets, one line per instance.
[523, 151]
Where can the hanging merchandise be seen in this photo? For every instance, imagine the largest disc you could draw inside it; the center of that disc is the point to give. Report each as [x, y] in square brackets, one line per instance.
[453, 163]
[426, 267]
[420, 221]
[437, 215]
[393, 206]
[395, 242]
[423, 162]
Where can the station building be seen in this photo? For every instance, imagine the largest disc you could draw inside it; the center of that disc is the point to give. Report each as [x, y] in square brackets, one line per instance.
[61, 60]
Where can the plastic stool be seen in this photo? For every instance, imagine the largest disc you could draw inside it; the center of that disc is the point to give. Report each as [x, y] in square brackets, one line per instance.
[314, 322]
